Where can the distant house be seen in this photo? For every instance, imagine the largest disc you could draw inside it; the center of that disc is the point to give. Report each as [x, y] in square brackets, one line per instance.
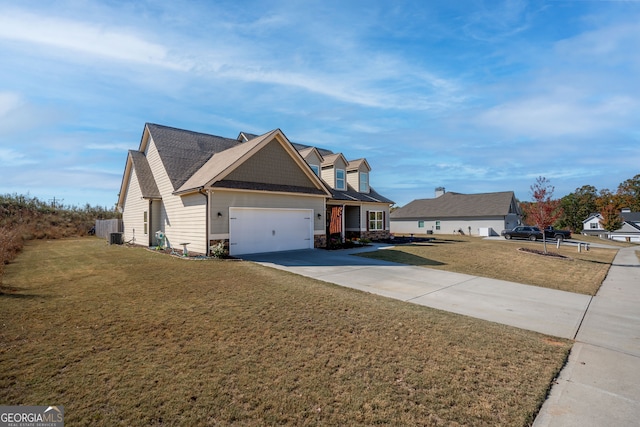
[483, 214]
[629, 232]
[254, 193]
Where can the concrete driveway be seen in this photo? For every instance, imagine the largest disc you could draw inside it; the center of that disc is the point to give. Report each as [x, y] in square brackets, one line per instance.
[600, 384]
[538, 309]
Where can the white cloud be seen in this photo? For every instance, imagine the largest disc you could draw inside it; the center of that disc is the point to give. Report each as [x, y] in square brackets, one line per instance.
[558, 114]
[10, 157]
[9, 102]
[85, 37]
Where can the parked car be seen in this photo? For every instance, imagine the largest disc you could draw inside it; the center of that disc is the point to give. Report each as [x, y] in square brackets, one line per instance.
[552, 233]
[523, 232]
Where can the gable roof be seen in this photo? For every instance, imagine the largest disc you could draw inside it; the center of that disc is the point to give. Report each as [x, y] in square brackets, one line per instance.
[183, 152]
[323, 151]
[355, 164]
[148, 185]
[456, 205]
[331, 159]
[224, 162]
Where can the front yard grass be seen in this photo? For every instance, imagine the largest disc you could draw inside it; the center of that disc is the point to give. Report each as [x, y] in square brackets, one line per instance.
[124, 336]
[583, 273]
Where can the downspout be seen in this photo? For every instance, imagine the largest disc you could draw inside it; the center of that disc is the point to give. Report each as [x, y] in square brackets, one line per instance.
[344, 222]
[206, 222]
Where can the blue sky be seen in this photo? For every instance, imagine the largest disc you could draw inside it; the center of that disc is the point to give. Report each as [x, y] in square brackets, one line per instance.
[475, 96]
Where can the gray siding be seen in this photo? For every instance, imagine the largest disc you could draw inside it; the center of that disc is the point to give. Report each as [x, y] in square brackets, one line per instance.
[271, 165]
[221, 201]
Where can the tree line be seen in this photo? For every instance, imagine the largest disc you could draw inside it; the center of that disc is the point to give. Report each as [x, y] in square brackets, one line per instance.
[572, 209]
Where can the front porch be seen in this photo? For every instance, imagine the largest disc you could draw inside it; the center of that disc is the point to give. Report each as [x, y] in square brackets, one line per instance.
[348, 222]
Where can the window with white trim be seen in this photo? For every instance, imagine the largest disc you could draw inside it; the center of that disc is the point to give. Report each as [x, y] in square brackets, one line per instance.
[364, 182]
[315, 169]
[145, 220]
[437, 225]
[420, 224]
[376, 220]
[594, 226]
[340, 180]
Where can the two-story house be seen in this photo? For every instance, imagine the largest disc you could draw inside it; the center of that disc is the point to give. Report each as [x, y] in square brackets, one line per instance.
[255, 193]
[629, 231]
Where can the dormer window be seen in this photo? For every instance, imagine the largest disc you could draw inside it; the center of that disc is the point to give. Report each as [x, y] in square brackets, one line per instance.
[364, 182]
[315, 169]
[340, 180]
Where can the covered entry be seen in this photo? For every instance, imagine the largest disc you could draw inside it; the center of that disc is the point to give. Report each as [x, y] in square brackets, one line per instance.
[256, 230]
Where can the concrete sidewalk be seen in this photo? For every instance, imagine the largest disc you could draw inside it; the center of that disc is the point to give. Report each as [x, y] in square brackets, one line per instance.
[600, 385]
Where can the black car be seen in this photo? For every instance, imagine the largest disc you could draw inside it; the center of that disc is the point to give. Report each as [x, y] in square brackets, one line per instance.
[523, 232]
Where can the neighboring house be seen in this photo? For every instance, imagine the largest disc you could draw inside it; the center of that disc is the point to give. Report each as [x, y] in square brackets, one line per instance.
[629, 232]
[254, 193]
[484, 214]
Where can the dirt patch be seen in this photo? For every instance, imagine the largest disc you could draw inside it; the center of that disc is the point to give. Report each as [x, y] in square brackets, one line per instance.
[539, 252]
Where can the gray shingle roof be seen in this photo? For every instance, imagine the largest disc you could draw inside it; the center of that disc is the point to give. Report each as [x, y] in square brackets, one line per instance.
[323, 151]
[631, 216]
[352, 195]
[183, 152]
[145, 177]
[456, 205]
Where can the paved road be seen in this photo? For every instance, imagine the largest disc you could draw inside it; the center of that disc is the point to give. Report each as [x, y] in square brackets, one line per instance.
[599, 386]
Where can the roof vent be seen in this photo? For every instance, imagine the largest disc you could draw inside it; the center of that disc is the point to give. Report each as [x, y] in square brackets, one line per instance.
[440, 191]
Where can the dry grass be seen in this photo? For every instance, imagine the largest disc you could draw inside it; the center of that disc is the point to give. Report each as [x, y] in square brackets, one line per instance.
[124, 336]
[500, 259]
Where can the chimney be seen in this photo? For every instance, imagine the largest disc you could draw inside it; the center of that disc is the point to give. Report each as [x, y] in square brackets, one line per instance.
[440, 191]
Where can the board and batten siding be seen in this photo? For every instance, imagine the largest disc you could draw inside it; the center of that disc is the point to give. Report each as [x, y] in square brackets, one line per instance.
[133, 213]
[182, 218]
[222, 200]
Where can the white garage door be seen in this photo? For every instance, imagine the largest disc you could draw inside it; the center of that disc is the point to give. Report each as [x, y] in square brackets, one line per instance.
[255, 230]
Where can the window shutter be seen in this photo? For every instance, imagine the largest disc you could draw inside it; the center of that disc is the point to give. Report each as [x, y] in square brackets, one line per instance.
[367, 219]
[384, 220]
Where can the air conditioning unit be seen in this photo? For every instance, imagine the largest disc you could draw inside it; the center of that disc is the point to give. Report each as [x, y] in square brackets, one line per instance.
[115, 239]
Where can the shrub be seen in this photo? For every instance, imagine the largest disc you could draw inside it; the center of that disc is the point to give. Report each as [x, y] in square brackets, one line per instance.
[218, 250]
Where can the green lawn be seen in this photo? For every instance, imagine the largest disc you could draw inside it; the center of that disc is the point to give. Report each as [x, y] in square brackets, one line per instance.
[501, 259]
[125, 336]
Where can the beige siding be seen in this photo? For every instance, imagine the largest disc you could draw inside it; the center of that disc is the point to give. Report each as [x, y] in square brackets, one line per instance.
[271, 165]
[133, 213]
[313, 159]
[328, 174]
[183, 219]
[221, 201]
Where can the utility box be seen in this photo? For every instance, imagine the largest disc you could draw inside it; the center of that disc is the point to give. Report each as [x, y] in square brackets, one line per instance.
[486, 231]
[115, 238]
